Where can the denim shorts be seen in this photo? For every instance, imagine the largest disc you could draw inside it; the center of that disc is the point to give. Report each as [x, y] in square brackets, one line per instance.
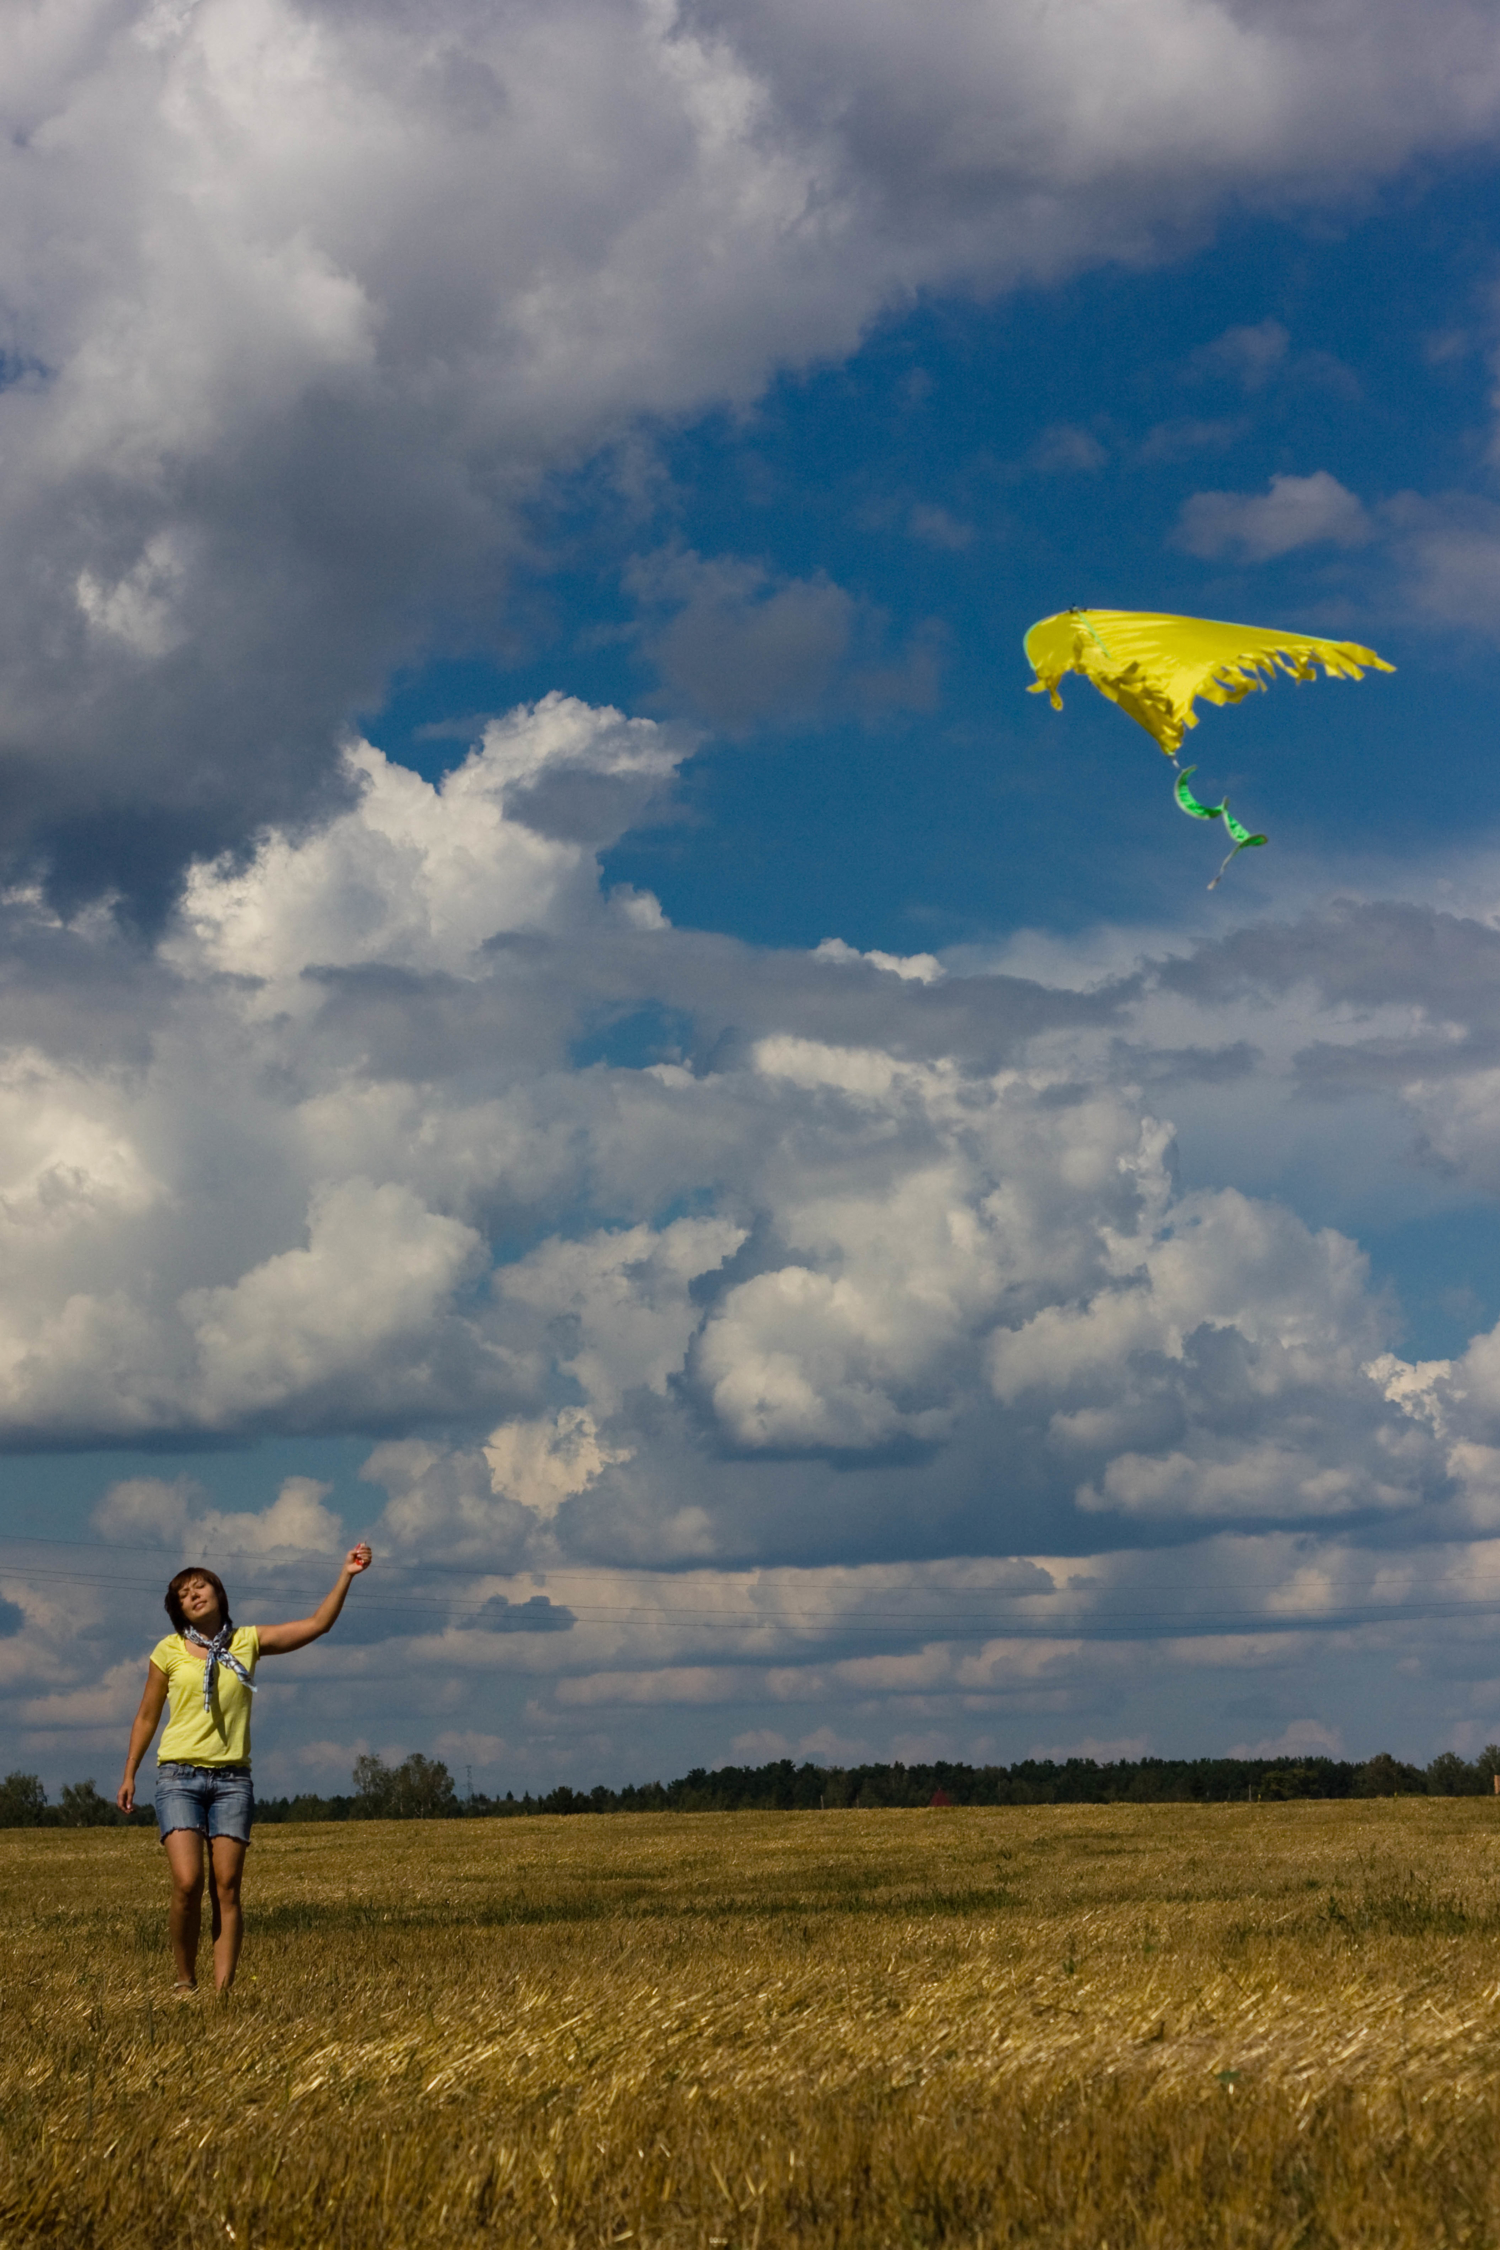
[216, 1800]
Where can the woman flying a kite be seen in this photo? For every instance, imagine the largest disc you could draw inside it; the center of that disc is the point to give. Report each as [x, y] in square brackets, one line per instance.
[1155, 666]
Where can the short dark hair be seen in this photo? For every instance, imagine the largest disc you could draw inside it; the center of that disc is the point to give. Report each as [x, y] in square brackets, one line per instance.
[174, 1604]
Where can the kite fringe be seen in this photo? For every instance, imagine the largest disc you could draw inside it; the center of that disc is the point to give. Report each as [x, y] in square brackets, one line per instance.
[1242, 672]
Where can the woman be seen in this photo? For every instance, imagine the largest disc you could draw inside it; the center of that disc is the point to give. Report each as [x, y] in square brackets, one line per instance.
[203, 1787]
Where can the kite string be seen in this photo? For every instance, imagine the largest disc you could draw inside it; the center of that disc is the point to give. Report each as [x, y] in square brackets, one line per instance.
[1228, 856]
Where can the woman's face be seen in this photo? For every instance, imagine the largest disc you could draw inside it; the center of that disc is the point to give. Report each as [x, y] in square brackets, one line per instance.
[200, 1604]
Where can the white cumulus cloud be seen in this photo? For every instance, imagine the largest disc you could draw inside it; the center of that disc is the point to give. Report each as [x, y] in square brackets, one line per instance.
[1312, 511]
[892, 1259]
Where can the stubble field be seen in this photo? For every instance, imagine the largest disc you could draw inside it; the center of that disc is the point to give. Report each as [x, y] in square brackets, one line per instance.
[1276, 2025]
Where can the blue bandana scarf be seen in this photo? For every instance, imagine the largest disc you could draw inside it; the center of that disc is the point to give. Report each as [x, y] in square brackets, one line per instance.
[215, 1653]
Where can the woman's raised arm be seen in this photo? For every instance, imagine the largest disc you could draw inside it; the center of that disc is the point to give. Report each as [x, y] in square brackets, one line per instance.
[280, 1640]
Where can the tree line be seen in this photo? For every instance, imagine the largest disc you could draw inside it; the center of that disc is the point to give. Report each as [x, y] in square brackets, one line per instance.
[423, 1788]
[23, 1804]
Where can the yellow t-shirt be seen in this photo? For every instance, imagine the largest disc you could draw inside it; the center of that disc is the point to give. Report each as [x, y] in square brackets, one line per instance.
[220, 1737]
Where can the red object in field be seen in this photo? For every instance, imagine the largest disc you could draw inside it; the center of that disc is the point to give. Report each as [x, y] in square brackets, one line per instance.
[939, 1797]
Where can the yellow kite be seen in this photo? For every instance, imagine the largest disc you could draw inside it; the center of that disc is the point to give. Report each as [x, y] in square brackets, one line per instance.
[1155, 667]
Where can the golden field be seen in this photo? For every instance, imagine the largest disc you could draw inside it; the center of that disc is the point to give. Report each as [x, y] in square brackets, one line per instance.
[1103, 2028]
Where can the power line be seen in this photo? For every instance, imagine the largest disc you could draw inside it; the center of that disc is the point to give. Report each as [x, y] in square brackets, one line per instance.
[1107, 1620]
[777, 1573]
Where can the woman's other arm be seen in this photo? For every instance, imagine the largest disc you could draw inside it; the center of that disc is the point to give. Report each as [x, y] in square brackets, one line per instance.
[280, 1640]
[146, 1722]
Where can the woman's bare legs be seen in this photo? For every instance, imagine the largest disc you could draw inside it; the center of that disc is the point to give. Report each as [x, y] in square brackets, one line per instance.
[184, 1849]
[226, 1865]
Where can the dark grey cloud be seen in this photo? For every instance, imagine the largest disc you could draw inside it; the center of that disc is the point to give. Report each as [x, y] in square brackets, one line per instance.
[742, 648]
[537, 1614]
[1168, 1066]
[1363, 953]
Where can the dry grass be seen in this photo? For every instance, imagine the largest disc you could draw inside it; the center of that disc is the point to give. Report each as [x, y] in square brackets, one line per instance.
[1081, 2027]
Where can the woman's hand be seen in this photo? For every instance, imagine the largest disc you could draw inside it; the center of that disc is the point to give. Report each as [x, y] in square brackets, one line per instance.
[125, 1794]
[280, 1640]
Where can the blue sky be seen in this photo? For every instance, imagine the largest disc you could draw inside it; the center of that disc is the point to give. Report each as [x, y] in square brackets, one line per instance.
[562, 1006]
[968, 468]
[977, 464]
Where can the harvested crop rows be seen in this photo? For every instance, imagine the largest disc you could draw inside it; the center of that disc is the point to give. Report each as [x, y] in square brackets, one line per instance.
[1164, 2025]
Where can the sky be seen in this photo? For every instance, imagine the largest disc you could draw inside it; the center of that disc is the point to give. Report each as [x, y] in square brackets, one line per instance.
[562, 1009]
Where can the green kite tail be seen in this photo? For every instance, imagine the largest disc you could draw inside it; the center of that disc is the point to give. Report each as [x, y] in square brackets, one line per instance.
[1243, 840]
[1189, 802]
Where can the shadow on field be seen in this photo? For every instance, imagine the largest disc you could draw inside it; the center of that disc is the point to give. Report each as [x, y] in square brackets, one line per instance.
[1409, 1907]
[354, 1917]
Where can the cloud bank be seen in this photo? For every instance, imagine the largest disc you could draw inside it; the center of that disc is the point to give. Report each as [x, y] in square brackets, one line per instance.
[860, 1265]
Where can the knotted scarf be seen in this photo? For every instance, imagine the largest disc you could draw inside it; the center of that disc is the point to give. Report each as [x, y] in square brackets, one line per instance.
[215, 1653]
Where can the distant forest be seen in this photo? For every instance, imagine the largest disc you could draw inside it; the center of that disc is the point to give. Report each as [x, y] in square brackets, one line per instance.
[423, 1789]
